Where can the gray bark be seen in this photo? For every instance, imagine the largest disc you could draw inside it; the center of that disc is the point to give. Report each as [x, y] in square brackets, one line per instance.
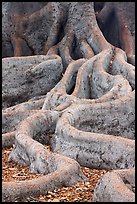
[74, 91]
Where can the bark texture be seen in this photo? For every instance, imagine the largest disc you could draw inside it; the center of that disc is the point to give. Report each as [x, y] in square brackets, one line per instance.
[68, 81]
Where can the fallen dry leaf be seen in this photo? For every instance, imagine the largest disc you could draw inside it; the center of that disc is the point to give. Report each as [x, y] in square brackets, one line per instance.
[80, 192]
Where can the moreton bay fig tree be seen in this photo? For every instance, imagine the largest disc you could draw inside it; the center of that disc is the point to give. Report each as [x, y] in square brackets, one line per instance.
[68, 95]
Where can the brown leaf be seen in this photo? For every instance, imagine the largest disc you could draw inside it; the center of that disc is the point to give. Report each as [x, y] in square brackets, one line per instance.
[55, 200]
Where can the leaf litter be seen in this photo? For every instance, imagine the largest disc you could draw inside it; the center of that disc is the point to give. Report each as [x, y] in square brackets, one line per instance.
[80, 192]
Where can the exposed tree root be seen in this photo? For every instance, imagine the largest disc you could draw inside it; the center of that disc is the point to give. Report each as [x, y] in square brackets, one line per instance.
[99, 119]
[93, 80]
[64, 172]
[107, 189]
[113, 116]
[29, 73]
[32, 153]
[79, 98]
[8, 139]
[10, 122]
[32, 104]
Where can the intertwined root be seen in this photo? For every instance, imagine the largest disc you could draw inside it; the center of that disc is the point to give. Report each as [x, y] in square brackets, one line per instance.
[60, 170]
[95, 124]
[96, 135]
[87, 116]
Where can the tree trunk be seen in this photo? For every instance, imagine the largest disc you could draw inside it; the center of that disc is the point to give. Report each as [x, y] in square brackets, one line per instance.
[68, 82]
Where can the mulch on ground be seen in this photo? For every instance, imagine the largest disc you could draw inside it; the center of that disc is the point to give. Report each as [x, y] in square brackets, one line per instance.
[80, 192]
